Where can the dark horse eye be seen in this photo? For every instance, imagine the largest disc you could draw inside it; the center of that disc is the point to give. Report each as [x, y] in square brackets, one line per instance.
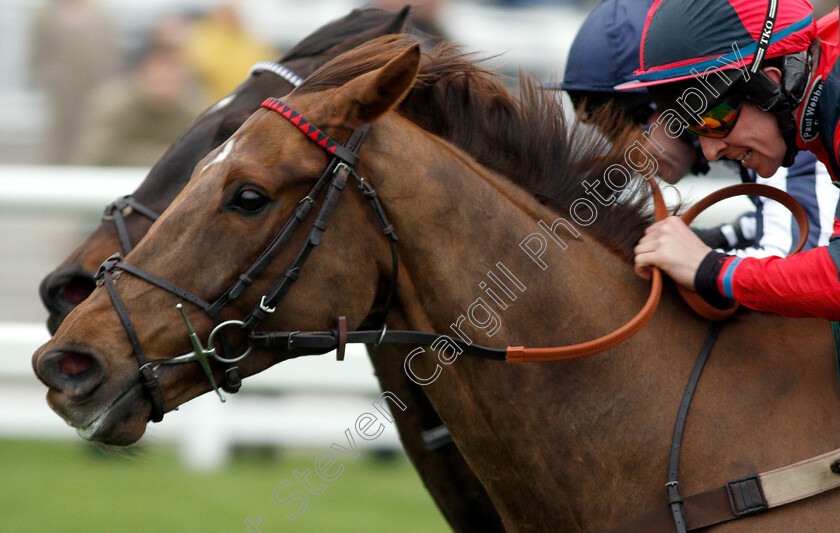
[249, 201]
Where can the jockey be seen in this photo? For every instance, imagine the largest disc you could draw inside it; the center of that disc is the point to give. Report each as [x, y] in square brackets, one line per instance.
[603, 55]
[756, 80]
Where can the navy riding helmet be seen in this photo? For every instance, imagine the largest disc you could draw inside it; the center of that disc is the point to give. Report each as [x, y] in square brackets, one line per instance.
[605, 53]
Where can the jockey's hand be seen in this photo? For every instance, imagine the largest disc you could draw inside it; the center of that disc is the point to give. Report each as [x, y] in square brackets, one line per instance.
[672, 246]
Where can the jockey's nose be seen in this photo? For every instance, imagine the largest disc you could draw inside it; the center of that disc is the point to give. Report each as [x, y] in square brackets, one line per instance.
[713, 149]
[76, 374]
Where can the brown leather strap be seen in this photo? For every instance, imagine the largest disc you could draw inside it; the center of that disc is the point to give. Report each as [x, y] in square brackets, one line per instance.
[700, 306]
[746, 496]
[519, 354]
[701, 510]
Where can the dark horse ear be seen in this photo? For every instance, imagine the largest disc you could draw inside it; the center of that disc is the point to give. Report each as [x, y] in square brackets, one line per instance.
[397, 25]
[367, 97]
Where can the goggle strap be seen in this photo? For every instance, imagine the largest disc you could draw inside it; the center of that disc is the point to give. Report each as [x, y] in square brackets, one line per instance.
[766, 34]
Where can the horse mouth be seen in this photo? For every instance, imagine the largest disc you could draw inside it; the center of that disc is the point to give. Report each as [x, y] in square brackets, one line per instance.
[121, 422]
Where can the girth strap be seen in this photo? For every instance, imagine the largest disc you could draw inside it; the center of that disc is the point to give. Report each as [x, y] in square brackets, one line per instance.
[743, 497]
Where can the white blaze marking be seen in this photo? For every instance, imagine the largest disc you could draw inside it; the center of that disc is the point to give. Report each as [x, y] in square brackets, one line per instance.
[223, 102]
[221, 155]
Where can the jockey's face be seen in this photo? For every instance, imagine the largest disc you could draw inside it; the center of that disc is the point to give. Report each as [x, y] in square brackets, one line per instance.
[755, 141]
[676, 157]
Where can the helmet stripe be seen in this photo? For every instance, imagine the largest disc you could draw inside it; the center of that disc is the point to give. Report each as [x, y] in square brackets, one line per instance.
[723, 61]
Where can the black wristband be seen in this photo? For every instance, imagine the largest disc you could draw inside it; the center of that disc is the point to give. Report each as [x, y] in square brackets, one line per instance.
[705, 280]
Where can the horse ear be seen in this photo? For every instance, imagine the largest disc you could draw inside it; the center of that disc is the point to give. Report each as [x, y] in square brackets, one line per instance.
[367, 97]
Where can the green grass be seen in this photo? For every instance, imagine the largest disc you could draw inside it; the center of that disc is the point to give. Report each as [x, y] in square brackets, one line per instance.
[71, 487]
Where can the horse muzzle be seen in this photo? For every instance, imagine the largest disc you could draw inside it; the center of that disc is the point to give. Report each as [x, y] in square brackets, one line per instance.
[101, 408]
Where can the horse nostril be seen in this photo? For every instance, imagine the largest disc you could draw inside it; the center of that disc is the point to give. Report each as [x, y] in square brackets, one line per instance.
[74, 364]
[76, 289]
[62, 291]
[73, 373]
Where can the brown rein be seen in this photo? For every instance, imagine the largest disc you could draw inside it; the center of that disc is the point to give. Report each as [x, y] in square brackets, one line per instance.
[693, 299]
[519, 354]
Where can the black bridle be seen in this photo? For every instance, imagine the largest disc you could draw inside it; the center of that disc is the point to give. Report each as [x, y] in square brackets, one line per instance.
[122, 207]
[339, 169]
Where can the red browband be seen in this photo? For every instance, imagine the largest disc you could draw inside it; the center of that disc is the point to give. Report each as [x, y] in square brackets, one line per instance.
[310, 130]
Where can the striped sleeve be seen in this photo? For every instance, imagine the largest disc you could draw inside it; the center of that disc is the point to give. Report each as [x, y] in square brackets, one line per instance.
[802, 285]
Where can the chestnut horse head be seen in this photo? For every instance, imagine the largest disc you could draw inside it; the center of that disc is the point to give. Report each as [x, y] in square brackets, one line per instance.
[72, 281]
[91, 386]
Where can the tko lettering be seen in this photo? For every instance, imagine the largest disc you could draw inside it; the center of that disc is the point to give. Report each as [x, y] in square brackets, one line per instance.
[767, 31]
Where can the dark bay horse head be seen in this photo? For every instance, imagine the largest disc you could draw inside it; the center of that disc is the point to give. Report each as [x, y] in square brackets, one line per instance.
[72, 281]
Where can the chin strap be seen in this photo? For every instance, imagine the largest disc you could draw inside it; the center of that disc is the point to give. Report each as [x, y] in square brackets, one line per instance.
[783, 97]
[787, 125]
[795, 85]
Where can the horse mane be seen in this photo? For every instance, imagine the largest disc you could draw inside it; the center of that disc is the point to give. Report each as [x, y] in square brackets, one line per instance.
[341, 30]
[527, 139]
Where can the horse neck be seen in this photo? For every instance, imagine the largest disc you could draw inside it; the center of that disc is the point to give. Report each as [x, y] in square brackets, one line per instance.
[460, 227]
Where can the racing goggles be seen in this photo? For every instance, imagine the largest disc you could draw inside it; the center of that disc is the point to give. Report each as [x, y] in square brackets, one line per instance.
[719, 120]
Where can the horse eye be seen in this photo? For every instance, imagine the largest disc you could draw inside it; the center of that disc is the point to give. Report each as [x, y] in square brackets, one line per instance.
[249, 201]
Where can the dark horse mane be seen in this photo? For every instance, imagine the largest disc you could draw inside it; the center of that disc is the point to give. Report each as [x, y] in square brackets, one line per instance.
[528, 138]
[342, 30]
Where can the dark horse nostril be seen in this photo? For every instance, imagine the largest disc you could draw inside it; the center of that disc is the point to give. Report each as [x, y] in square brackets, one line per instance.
[62, 291]
[77, 289]
[73, 373]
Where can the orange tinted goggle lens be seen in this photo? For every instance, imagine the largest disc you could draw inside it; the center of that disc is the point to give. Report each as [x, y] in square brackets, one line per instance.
[717, 121]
